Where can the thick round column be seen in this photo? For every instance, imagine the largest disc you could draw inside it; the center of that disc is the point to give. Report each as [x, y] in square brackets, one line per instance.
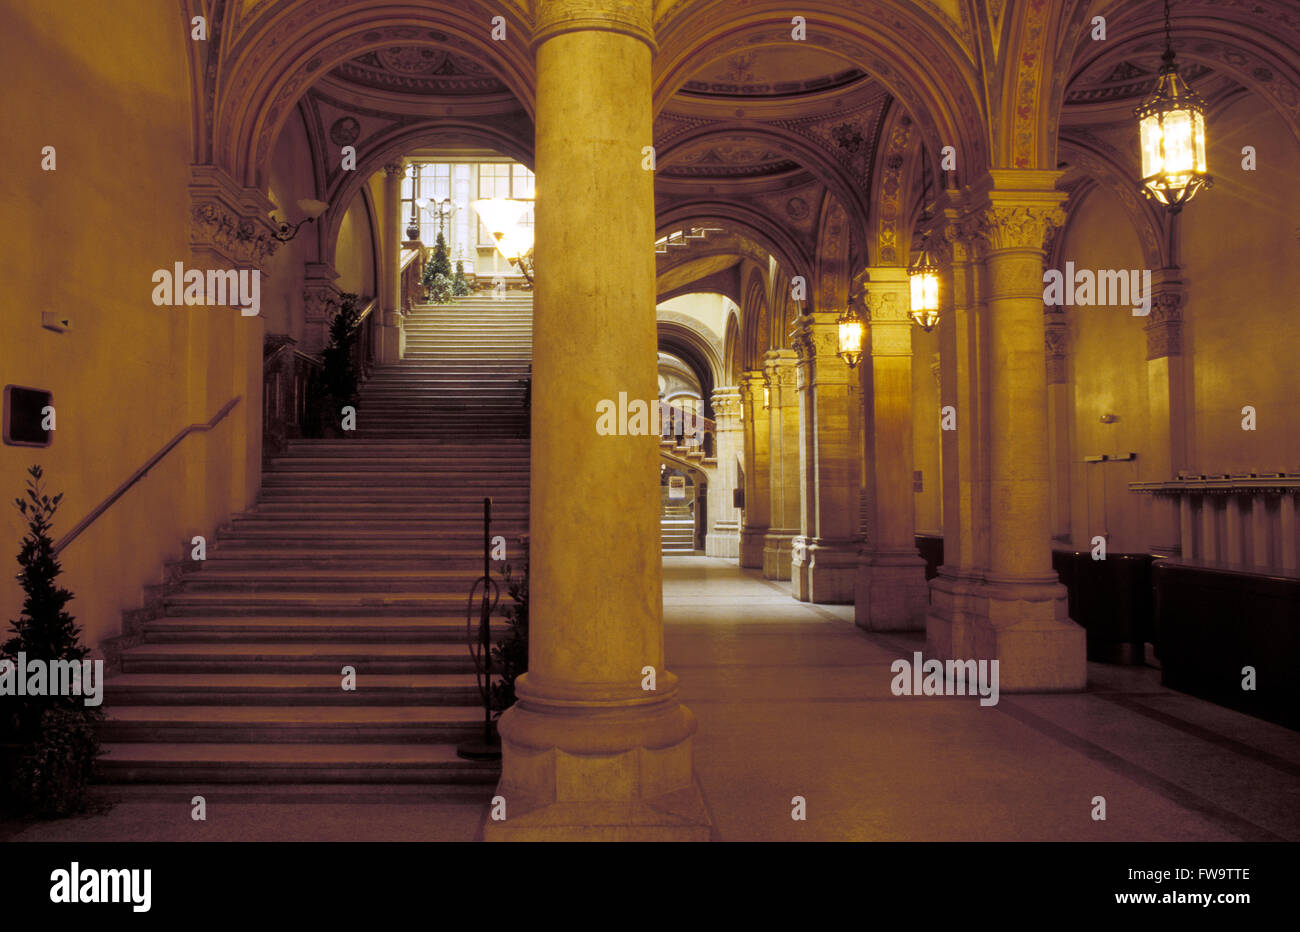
[588, 752]
[1027, 628]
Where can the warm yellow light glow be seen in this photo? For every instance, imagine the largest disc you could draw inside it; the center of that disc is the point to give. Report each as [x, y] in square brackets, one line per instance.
[852, 331]
[1171, 129]
[923, 277]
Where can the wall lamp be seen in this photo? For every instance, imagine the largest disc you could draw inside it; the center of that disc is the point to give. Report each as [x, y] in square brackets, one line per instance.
[311, 210]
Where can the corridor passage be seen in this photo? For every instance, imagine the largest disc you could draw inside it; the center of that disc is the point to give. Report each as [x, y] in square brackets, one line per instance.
[793, 700]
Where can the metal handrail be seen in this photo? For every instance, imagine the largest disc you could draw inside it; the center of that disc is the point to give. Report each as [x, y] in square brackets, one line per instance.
[141, 472]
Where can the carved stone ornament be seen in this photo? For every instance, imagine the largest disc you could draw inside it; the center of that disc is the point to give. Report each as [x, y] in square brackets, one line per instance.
[238, 238]
[1018, 227]
[1164, 327]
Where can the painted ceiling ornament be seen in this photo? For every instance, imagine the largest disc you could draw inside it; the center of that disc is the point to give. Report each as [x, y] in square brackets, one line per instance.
[345, 131]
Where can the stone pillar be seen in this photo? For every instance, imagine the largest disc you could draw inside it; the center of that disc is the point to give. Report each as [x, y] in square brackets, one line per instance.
[1059, 407]
[783, 434]
[1026, 629]
[758, 492]
[1166, 455]
[320, 299]
[390, 334]
[825, 560]
[891, 592]
[723, 537]
[588, 753]
[955, 601]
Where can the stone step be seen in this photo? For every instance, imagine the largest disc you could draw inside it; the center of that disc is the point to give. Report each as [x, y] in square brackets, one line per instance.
[367, 630]
[260, 604]
[393, 658]
[430, 582]
[291, 689]
[329, 724]
[405, 763]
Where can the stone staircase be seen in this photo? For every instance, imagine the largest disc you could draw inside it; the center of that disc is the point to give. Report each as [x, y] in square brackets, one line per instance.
[359, 552]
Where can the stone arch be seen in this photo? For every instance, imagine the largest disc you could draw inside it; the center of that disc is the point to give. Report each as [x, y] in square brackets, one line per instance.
[811, 157]
[731, 366]
[392, 147]
[755, 321]
[833, 254]
[910, 53]
[310, 37]
[694, 345]
[1104, 166]
[1251, 42]
[742, 219]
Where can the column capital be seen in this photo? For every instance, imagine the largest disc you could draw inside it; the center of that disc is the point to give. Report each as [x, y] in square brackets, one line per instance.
[633, 18]
[726, 407]
[229, 224]
[1015, 209]
[395, 169]
[1164, 326]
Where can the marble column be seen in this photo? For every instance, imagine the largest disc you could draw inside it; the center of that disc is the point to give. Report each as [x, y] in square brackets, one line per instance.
[825, 559]
[891, 592]
[783, 464]
[1026, 629]
[723, 537]
[757, 513]
[391, 333]
[1166, 454]
[589, 752]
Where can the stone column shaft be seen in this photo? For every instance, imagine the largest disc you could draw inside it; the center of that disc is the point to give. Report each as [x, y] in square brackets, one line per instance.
[783, 462]
[824, 564]
[587, 751]
[1166, 412]
[723, 536]
[390, 349]
[758, 493]
[890, 590]
[1027, 630]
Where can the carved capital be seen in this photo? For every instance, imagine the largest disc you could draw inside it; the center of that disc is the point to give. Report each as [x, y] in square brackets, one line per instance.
[1164, 327]
[242, 240]
[319, 301]
[395, 170]
[726, 408]
[630, 17]
[1017, 226]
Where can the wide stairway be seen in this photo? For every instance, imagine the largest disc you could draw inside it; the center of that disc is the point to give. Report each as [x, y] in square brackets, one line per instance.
[359, 553]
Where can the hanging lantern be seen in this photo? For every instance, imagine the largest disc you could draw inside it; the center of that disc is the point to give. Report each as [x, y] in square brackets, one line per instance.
[924, 279]
[923, 275]
[852, 330]
[1171, 122]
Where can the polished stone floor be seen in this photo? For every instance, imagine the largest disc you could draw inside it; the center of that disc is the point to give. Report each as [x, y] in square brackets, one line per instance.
[793, 700]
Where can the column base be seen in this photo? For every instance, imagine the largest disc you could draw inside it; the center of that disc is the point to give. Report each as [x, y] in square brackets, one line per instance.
[723, 543]
[751, 547]
[777, 549]
[606, 764]
[1020, 623]
[891, 592]
[824, 571]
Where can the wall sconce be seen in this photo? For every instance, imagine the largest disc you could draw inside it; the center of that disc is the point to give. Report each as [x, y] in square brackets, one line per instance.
[311, 210]
[1109, 418]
